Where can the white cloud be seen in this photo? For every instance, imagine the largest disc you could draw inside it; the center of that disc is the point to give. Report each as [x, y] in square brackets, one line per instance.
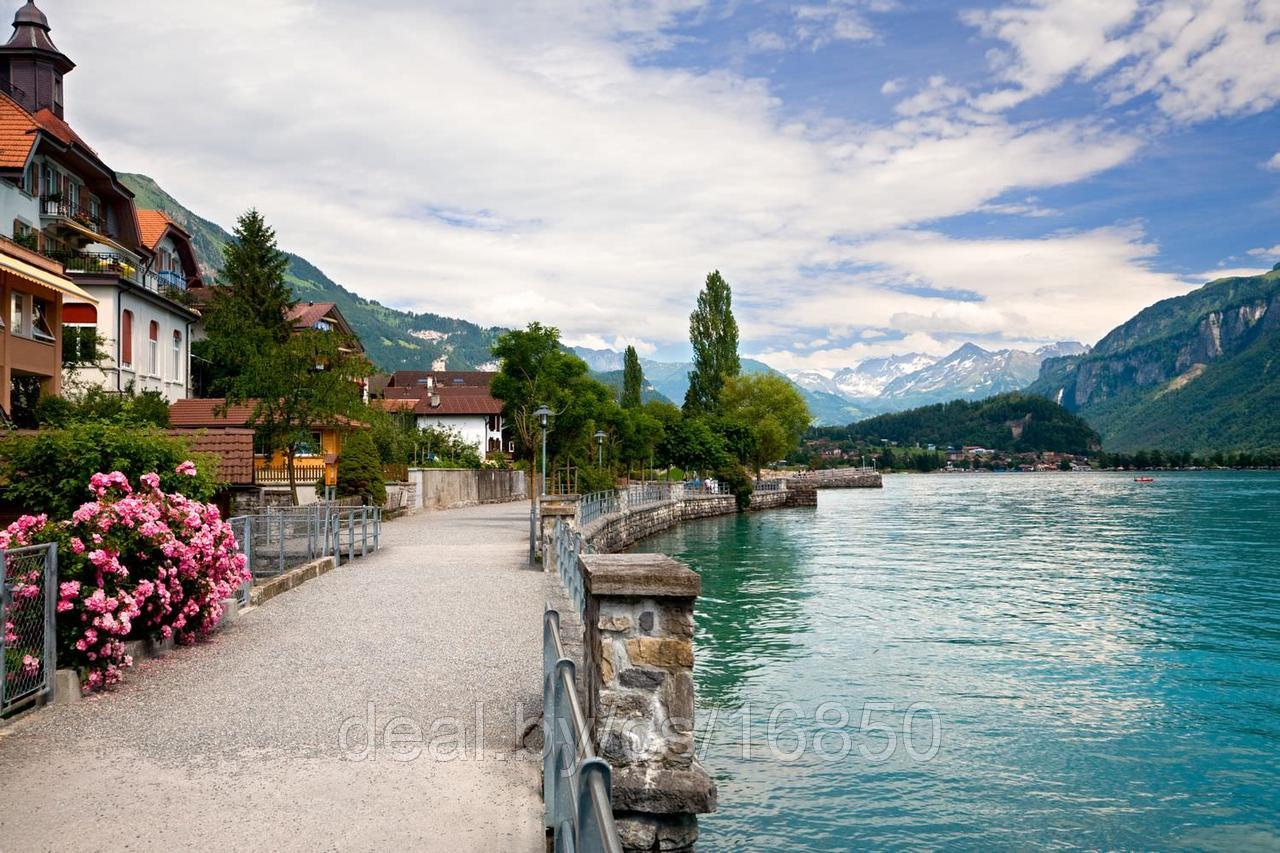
[1272, 253]
[819, 24]
[766, 41]
[937, 95]
[508, 162]
[1197, 58]
[1072, 286]
[892, 87]
[1274, 163]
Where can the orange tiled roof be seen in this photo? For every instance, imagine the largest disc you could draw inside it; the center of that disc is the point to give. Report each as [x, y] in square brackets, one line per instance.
[196, 414]
[233, 447]
[17, 134]
[153, 223]
[60, 130]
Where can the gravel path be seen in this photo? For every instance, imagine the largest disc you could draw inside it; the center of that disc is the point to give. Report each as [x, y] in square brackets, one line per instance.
[258, 739]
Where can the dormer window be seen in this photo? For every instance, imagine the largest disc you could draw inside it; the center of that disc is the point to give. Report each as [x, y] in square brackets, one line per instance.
[57, 90]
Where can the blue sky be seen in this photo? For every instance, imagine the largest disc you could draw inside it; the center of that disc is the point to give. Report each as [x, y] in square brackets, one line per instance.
[872, 176]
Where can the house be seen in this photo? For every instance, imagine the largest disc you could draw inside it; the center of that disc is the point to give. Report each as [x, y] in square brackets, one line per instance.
[316, 460]
[33, 290]
[59, 199]
[455, 400]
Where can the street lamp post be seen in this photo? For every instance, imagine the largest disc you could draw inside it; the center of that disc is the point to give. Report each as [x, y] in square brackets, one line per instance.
[600, 437]
[542, 414]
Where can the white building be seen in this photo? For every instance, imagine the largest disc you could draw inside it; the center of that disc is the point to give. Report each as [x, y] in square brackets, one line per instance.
[62, 201]
[456, 400]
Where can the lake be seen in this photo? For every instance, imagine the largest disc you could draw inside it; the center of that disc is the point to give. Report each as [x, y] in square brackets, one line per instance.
[994, 662]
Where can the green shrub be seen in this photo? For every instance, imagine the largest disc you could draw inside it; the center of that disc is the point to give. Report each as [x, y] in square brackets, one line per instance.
[148, 408]
[360, 470]
[49, 472]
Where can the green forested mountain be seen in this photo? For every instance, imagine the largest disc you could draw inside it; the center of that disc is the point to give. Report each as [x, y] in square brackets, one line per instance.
[1016, 422]
[1197, 373]
[394, 340]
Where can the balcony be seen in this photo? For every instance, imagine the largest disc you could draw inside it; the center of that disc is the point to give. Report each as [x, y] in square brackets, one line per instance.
[63, 208]
[169, 283]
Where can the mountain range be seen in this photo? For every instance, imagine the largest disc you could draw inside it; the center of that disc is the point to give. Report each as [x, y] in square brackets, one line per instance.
[902, 382]
[393, 339]
[1199, 372]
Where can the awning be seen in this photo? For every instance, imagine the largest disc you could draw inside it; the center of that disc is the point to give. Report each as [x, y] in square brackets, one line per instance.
[100, 239]
[31, 272]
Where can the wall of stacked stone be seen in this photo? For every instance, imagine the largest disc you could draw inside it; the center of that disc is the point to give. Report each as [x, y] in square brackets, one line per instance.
[851, 480]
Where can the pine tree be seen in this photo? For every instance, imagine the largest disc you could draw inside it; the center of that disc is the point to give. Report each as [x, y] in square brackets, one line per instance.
[632, 379]
[253, 271]
[713, 333]
[250, 308]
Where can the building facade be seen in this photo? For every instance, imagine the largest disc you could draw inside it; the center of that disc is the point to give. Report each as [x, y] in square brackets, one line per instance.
[130, 330]
[452, 400]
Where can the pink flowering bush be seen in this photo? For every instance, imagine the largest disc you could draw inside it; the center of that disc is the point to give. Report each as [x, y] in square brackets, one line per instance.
[132, 564]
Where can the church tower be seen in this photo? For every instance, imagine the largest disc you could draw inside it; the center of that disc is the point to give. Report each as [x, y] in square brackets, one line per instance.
[31, 66]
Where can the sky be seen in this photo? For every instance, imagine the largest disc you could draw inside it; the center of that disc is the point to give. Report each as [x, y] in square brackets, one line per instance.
[871, 176]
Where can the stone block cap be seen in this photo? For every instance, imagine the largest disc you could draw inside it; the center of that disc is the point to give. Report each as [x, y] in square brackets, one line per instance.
[639, 575]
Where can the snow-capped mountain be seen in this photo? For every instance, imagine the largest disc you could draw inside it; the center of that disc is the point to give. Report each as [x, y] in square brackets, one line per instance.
[870, 377]
[901, 382]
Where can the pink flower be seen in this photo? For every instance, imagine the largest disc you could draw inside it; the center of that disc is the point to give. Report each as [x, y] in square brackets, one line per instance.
[187, 468]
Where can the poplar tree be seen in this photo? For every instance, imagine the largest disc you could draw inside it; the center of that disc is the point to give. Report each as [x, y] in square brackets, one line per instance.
[632, 379]
[713, 333]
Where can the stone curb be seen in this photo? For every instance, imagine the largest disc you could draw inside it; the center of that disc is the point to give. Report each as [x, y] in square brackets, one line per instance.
[268, 590]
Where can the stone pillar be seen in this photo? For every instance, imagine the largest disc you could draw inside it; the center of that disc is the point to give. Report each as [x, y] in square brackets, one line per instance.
[552, 508]
[638, 676]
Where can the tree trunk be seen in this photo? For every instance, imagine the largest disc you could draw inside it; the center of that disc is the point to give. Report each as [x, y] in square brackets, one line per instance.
[293, 479]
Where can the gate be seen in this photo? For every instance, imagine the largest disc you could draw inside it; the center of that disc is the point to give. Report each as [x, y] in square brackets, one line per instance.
[29, 656]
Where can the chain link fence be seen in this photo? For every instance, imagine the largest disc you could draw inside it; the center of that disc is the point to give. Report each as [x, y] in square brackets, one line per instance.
[29, 656]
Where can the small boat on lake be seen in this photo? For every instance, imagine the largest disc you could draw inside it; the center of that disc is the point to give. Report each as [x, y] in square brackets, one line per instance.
[1144, 479]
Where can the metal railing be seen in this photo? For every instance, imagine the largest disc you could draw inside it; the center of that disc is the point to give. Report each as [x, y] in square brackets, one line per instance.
[577, 806]
[770, 485]
[596, 505]
[277, 540]
[834, 473]
[642, 494]
[569, 543]
[65, 208]
[28, 650]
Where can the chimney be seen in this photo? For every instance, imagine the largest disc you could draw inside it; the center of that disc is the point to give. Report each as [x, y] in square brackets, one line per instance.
[435, 401]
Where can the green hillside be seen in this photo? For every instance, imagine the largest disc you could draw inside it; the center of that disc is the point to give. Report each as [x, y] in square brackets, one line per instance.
[1197, 373]
[394, 340]
[1016, 422]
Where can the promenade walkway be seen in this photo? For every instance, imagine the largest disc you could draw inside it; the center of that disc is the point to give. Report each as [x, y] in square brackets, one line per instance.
[257, 740]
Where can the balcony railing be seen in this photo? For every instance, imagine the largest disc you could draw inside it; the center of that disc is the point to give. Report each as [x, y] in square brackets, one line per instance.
[122, 266]
[64, 207]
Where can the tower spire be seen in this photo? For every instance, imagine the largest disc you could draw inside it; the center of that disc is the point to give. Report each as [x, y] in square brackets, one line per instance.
[31, 66]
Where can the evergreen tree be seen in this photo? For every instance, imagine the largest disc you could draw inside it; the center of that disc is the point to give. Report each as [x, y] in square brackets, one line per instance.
[360, 470]
[632, 379]
[713, 333]
[250, 308]
[253, 271]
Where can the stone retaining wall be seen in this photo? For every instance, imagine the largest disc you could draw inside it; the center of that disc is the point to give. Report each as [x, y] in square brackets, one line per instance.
[850, 480]
[615, 533]
[449, 488]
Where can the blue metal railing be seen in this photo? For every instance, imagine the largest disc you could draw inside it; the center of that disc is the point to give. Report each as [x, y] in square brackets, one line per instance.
[569, 544]
[597, 505]
[577, 807]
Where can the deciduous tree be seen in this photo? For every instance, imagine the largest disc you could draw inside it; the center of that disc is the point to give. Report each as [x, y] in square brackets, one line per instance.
[713, 333]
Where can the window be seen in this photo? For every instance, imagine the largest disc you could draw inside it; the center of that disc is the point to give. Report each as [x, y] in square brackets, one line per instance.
[41, 325]
[126, 339]
[177, 356]
[29, 181]
[51, 188]
[26, 236]
[153, 349]
[57, 89]
[18, 315]
[79, 344]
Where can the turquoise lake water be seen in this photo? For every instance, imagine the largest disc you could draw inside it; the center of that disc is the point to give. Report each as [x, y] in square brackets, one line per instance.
[1025, 661]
